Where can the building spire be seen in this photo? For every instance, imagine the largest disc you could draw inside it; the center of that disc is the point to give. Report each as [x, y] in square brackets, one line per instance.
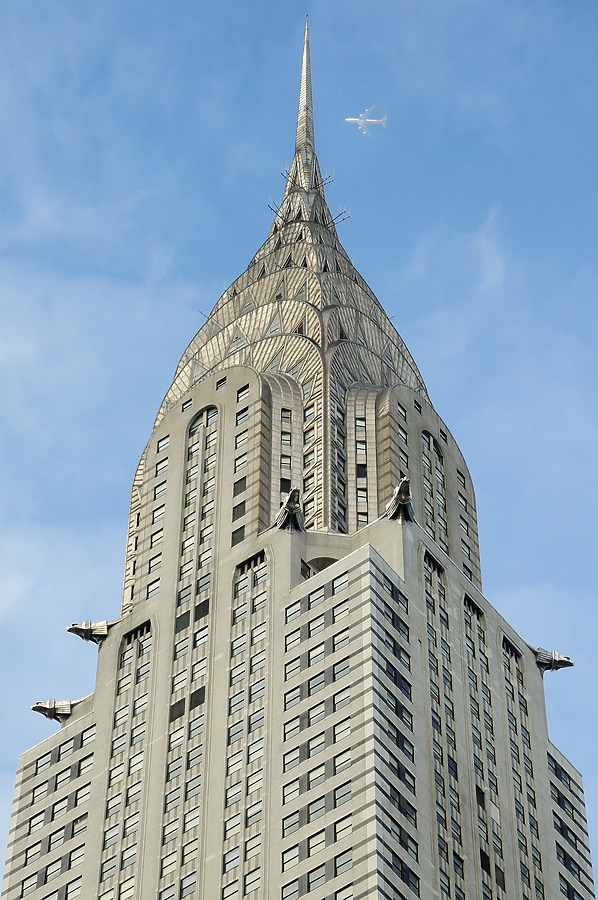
[305, 114]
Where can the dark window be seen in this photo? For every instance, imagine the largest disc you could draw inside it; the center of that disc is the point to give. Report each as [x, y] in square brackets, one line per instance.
[182, 622]
[239, 486]
[238, 511]
[238, 536]
[177, 709]
[197, 697]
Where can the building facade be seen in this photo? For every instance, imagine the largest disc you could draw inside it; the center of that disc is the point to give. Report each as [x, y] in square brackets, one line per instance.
[306, 694]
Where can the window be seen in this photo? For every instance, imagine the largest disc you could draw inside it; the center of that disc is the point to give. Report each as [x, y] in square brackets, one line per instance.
[293, 611]
[238, 645]
[316, 626]
[340, 583]
[316, 842]
[161, 466]
[159, 490]
[253, 813]
[63, 777]
[315, 684]
[290, 791]
[290, 857]
[342, 794]
[233, 794]
[343, 698]
[257, 661]
[341, 762]
[230, 859]
[188, 884]
[292, 639]
[236, 702]
[290, 891]
[342, 730]
[291, 728]
[340, 611]
[343, 862]
[237, 536]
[56, 839]
[255, 750]
[291, 759]
[316, 744]
[315, 654]
[253, 881]
[53, 870]
[258, 633]
[316, 809]
[152, 588]
[316, 776]
[240, 462]
[58, 809]
[28, 885]
[256, 720]
[316, 877]
[316, 713]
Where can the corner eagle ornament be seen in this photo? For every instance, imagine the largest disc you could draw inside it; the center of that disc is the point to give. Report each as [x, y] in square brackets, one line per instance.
[290, 514]
[550, 660]
[400, 505]
[58, 710]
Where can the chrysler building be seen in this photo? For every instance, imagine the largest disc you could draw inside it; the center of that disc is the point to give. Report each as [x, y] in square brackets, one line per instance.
[306, 693]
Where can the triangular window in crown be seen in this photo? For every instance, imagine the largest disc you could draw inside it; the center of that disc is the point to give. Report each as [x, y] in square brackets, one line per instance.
[315, 217]
[338, 267]
[304, 263]
[274, 363]
[307, 387]
[248, 305]
[299, 216]
[289, 262]
[262, 272]
[365, 375]
[238, 341]
[297, 368]
[214, 327]
[300, 326]
[360, 336]
[320, 239]
[278, 244]
[279, 292]
[299, 237]
[387, 357]
[234, 293]
[300, 295]
[275, 326]
[355, 278]
[342, 334]
[325, 266]
[198, 371]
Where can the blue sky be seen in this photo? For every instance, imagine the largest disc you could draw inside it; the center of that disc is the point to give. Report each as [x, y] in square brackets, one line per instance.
[140, 145]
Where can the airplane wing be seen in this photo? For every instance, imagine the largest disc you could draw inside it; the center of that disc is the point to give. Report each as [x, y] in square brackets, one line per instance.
[363, 127]
[367, 112]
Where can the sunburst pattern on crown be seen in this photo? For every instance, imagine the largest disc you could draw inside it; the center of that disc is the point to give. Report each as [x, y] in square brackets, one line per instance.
[300, 307]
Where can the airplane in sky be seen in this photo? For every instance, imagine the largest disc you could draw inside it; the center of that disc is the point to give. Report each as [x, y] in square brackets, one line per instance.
[362, 121]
